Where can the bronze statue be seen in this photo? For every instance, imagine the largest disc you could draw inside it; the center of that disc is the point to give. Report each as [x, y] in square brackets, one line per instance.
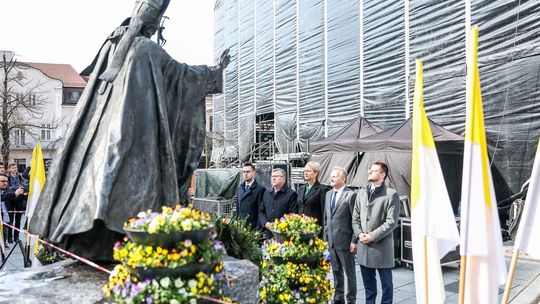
[137, 135]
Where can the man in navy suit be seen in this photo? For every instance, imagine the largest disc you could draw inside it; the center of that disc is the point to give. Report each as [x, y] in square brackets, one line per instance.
[248, 196]
[339, 234]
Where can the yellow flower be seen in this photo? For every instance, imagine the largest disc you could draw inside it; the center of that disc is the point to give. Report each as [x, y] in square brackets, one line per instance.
[186, 212]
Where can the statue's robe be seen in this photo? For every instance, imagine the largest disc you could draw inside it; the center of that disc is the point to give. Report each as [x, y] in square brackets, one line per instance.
[132, 146]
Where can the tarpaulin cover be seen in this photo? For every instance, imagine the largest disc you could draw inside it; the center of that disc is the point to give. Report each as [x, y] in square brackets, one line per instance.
[216, 182]
[334, 59]
[246, 98]
[311, 120]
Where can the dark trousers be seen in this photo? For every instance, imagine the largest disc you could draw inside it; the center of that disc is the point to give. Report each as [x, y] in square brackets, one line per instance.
[343, 263]
[370, 284]
[15, 220]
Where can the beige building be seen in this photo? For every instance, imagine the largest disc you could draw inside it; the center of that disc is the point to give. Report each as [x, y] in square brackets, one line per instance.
[57, 89]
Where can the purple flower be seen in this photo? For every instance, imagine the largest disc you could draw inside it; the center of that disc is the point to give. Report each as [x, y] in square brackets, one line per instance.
[149, 300]
[135, 289]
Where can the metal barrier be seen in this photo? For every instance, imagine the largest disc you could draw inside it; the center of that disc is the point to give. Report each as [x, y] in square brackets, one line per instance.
[215, 206]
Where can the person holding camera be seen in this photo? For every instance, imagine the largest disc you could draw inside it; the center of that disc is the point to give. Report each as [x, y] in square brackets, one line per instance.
[17, 203]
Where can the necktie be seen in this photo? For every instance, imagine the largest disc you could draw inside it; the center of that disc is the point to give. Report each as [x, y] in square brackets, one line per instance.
[247, 188]
[308, 187]
[333, 205]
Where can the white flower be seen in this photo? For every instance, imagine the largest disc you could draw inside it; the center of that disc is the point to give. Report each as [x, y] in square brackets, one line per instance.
[192, 283]
[155, 283]
[165, 282]
[186, 225]
[178, 283]
[187, 243]
[193, 301]
[153, 226]
[174, 301]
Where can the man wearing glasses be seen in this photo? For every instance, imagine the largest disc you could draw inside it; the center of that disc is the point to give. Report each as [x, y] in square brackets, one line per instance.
[277, 201]
[375, 217]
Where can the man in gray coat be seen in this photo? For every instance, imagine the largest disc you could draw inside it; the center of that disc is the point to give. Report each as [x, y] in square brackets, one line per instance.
[375, 217]
[338, 232]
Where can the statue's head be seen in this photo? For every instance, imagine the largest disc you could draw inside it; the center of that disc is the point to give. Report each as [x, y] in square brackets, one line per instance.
[148, 13]
[145, 20]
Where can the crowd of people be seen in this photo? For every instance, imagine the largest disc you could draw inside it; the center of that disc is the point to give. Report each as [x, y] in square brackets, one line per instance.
[357, 224]
[14, 187]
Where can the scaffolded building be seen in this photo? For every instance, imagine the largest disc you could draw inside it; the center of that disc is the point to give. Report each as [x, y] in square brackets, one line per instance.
[301, 70]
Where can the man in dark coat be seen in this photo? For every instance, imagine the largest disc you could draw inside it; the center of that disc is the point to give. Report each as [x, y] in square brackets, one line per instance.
[277, 201]
[140, 106]
[248, 196]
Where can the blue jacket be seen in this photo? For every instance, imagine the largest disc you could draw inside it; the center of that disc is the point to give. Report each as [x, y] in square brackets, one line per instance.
[247, 202]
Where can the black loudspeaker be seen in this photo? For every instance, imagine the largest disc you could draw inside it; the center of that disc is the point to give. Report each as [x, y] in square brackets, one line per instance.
[406, 246]
[263, 173]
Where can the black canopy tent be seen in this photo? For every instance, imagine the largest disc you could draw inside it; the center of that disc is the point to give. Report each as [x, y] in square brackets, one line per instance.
[341, 148]
[394, 147]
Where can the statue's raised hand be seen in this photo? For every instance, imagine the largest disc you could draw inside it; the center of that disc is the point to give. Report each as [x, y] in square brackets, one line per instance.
[224, 59]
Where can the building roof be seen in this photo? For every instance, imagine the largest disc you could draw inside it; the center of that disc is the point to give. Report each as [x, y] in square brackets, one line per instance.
[63, 72]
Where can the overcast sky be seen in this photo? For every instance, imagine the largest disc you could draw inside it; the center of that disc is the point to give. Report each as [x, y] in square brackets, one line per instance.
[71, 31]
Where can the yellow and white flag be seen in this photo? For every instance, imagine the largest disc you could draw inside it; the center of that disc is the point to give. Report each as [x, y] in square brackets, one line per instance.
[37, 179]
[529, 225]
[434, 229]
[481, 240]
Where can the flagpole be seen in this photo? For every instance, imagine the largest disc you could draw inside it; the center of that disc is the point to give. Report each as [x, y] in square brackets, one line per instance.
[426, 284]
[510, 278]
[462, 270]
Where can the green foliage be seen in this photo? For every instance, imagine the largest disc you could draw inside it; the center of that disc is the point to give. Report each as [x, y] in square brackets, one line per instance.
[240, 240]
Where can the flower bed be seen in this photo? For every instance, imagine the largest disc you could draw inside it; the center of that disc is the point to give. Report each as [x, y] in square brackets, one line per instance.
[295, 268]
[177, 219]
[296, 227]
[289, 250]
[182, 271]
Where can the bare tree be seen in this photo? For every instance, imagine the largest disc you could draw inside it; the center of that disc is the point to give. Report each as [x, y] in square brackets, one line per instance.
[21, 104]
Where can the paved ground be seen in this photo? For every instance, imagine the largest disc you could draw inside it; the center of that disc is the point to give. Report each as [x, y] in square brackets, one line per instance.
[525, 289]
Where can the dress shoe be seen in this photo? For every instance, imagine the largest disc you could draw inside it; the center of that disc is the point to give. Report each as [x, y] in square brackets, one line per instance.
[10, 241]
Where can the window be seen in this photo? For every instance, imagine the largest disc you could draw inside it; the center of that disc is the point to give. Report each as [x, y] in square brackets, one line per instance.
[46, 132]
[72, 95]
[20, 138]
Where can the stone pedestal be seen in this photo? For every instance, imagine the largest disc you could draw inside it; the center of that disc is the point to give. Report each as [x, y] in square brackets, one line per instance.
[71, 282]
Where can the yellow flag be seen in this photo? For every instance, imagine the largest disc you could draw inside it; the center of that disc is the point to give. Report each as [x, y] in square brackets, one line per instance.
[481, 240]
[37, 179]
[434, 229]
